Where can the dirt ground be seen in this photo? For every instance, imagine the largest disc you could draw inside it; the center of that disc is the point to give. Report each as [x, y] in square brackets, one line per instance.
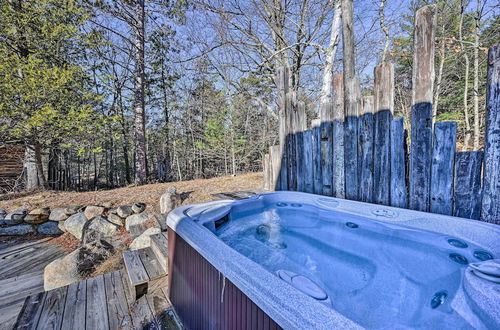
[198, 191]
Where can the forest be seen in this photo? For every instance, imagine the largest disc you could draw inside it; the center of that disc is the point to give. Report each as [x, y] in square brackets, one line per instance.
[101, 94]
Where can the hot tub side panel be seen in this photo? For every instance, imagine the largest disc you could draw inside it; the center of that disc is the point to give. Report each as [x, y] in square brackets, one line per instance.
[203, 298]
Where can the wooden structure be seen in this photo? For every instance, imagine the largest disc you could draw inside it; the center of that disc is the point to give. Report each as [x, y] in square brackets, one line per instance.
[365, 154]
[11, 167]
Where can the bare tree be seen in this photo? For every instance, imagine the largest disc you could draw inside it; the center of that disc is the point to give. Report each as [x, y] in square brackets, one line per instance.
[326, 88]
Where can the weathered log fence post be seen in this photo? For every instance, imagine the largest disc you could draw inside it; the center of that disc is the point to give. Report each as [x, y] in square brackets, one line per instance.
[421, 117]
[338, 136]
[490, 210]
[365, 150]
[384, 109]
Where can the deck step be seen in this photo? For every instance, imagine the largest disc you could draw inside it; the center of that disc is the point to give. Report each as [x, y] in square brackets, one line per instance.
[159, 245]
[144, 272]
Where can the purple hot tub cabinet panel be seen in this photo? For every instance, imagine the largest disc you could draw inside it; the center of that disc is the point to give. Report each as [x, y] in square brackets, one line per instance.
[295, 260]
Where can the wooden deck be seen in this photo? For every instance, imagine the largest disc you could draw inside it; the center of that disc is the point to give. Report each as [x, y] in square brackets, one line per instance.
[21, 275]
[102, 302]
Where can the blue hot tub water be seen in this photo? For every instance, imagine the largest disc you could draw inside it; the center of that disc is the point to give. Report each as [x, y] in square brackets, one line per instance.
[381, 275]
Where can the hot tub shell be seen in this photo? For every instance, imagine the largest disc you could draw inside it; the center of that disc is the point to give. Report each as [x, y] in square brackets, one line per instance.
[212, 286]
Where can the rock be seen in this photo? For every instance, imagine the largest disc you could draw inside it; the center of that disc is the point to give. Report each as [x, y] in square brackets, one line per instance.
[161, 219]
[93, 211]
[106, 205]
[70, 210]
[117, 220]
[136, 219]
[62, 226]
[98, 228]
[58, 214]
[138, 207]
[50, 228]
[37, 216]
[170, 200]
[144, 240]
[75, 223]
[17, 230]
[124, 211]
[15, 217]
[3, 213]
[77, 265]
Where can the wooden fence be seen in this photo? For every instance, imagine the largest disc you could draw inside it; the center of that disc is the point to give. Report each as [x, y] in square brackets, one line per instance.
[365, 156]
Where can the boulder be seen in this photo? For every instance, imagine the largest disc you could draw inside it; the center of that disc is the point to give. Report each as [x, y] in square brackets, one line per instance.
[37, 216]
[124, 211]
[77, 265]
[170, 200]
[62, 226]
[117, 220]
[50, 228]
[75, 223]
[16, 217]
[99, 227]
[138, 207]
[58, 214]
[93, 211]
[136, 219]
[144, 240]
[70, 210]
[3, 213]
[18, 230]
[106, 205]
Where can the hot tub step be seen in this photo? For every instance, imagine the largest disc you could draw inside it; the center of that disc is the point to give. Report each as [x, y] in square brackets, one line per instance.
[144, 272]
[159, 245]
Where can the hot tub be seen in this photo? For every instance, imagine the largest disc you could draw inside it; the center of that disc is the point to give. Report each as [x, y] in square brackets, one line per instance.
[295, 260]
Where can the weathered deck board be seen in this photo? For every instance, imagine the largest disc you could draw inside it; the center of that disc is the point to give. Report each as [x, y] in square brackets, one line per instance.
[53, 309]
[75, 309]
[97, 307]
[151, 263]
[160, 249]
[30, 312]
[136, 271]
[118, 308]
[97, 303]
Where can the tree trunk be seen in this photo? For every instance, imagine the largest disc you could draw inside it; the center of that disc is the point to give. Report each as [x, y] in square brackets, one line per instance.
[467, 135]
[476, 77]
[439, 77]
[140, 115]
[39, 166]
[30, 166]
[326, 89]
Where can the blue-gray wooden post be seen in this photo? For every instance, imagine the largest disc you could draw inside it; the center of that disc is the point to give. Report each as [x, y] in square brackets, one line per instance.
[299, 128]
[352, 97]
[338, 136]
[399, 191]
[266, 171]
[490, 210]
[307, 170]
[384, 108]
[443, 157]
[365, 150]
[316, 156]
[291, 145]
[283, 77]
[467, 184]
[421, 116]
[275, 156]
[327, 148]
